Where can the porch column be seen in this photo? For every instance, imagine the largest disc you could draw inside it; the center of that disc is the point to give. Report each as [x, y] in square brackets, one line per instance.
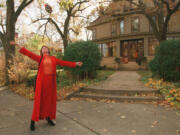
[146, 46]
[117, 48]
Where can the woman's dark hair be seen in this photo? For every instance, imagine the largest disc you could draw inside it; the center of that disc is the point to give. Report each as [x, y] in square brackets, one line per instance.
[42, 48]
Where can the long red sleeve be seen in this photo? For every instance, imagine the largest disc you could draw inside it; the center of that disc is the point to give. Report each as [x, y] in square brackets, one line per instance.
[65, 63]
[30, 54]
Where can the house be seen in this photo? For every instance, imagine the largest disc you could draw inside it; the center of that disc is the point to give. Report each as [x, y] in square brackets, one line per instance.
[122, 35]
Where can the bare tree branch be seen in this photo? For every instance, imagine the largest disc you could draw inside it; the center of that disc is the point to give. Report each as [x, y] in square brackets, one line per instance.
[76, 32]
[24, 4]
[79, 3]
[167, 5]
[53, 22]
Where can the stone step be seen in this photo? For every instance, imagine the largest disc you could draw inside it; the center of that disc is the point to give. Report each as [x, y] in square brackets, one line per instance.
[3, 88]
[120, 92]
[118, 98]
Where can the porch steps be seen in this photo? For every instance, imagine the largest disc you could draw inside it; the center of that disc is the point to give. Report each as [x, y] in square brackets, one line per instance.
[118, 95]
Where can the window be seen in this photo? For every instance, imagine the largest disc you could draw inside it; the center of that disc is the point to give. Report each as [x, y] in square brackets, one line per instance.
[113, 29]
[150, 27]
[135, 24]
[164, 19]
[110, 50]
[94, 34]
[122, 26]
[105, 50]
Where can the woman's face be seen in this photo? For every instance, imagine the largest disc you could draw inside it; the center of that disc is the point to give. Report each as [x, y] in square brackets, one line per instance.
[45, 50]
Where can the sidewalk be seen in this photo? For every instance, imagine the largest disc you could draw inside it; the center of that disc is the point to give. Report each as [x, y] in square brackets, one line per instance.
[122, 80]
[88, 118]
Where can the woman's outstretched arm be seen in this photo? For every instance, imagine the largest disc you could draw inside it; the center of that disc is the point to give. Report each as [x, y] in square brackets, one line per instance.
[68, 63]
[26, 52]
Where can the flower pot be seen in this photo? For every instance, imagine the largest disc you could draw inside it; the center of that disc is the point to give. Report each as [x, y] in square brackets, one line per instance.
[125, 60]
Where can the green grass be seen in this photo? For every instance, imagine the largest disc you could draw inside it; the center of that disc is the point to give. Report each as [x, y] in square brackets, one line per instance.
[64, 81]
[145, 75]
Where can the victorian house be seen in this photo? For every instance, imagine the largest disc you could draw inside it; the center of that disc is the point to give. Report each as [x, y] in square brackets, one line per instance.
[120, 36]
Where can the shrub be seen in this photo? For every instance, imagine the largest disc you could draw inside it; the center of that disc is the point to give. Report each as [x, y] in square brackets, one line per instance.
[86, 52]
[166, 62]
[117, 60]
[31, 81]
[19, 69]
[141, 59]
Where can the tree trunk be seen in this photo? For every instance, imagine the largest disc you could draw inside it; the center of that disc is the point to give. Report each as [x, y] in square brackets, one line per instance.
[9, 36]
[65, 43]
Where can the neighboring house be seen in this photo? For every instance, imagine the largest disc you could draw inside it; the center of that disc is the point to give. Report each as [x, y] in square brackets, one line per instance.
[121, 36]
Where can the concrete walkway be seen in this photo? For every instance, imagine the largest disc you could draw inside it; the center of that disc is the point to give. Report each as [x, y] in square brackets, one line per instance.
[122, 80]
[88, 118]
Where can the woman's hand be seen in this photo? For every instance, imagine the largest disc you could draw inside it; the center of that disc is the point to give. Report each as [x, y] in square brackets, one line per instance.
[79, 64]
[15, 44]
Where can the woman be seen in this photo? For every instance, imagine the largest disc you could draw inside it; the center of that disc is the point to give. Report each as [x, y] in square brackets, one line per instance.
[45, 93]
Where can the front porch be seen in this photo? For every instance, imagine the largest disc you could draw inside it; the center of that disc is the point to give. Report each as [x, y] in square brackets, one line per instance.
[111, 64]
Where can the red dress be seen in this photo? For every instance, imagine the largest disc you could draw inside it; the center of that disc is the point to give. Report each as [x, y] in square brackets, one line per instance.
[45, 95]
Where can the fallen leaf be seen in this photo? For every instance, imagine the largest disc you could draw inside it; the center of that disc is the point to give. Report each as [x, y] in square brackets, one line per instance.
[155, 123]
[133, 131]
[123, 117]
[105, 130]
[74, 118]
[65, 129]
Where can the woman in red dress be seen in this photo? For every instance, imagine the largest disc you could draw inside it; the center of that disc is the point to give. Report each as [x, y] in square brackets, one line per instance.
[45, 92]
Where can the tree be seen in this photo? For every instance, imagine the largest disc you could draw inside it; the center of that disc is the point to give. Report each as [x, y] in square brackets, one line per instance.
[7, 31]
[161, 9]
[70, 9]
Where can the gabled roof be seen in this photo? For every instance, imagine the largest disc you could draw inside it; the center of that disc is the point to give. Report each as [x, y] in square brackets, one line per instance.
[100, 20]
[115, 10]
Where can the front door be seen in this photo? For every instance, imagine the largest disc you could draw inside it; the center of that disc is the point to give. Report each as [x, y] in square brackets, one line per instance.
[129, 47]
